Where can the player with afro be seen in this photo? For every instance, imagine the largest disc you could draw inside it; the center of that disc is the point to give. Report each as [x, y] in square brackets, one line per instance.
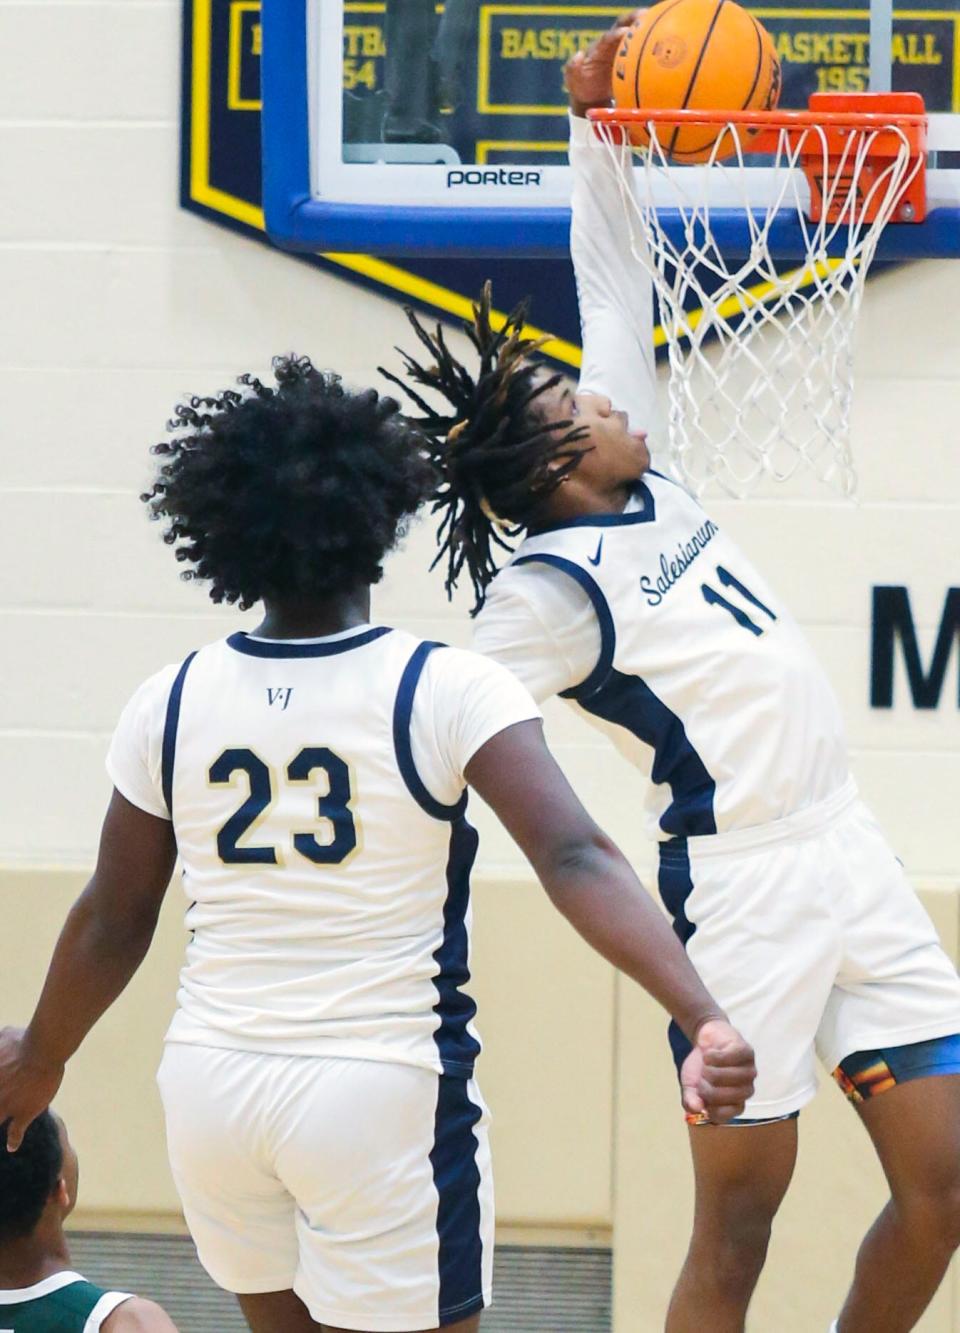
[325, 1129]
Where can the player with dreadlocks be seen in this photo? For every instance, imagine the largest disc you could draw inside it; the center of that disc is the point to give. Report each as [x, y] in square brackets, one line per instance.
[502, 451]
[626, 598]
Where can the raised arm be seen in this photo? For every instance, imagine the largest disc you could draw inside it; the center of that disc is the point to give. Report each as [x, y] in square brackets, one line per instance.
[615, 294]
[590, 882]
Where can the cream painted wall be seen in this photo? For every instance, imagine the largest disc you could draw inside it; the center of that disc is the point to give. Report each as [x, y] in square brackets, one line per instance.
[114, 303]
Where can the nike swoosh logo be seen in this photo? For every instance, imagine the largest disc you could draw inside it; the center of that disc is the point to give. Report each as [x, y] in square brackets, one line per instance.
[595, 559]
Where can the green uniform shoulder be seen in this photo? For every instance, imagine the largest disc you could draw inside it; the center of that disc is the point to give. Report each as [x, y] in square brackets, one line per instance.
[59, 1304]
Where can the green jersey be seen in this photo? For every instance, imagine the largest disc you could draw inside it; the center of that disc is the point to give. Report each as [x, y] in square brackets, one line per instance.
[64, 1303]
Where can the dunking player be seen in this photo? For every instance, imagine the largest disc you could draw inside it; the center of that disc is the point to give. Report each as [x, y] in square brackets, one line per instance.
[626, 598]
[325, 1130]
[39, 1291]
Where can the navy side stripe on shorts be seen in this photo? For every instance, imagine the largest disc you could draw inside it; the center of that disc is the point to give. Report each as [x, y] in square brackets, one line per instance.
[675, 883]
[457, 1178]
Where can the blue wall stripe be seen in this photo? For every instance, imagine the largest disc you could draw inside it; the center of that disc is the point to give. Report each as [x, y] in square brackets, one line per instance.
[457, 1179]
[171, 722]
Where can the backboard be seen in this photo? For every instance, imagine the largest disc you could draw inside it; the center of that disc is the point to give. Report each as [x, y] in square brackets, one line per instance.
[406, 127]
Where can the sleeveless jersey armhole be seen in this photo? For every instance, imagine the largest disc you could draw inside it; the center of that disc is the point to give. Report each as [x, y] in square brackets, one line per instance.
[171, 722]
[403, 748]
[104, 1308]
[608, 636]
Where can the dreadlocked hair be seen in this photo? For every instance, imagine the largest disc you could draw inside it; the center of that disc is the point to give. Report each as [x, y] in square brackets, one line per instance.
[498, 456]
[296, 489]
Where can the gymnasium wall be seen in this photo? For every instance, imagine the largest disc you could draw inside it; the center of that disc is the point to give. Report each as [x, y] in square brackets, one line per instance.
[114, 302]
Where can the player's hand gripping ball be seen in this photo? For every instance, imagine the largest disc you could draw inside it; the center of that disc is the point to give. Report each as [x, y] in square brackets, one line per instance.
[701, 55]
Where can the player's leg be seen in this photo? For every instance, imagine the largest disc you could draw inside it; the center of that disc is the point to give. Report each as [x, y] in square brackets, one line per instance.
[764, 944]
[915, 1128]
[277, 1312]
[741, 1173]
[284, 1312]
[896, 1006]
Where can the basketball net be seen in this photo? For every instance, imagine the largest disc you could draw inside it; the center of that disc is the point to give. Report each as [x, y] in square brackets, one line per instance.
[760, 349]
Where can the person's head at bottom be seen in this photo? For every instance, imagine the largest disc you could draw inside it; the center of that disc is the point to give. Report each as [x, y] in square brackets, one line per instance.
[38, 1185]
[38, 1192]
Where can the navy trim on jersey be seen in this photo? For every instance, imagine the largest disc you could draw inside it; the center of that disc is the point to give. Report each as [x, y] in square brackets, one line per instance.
[648, 514]
[675, 883]
[608, 635]
[260, 648]
[170, 724]
[402, 713]
[457, 1048]
[457, 1180]
[628, 702]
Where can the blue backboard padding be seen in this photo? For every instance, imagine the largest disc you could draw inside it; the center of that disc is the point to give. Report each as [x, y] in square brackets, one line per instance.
[284, 118]
[310, 225]
[297, 221]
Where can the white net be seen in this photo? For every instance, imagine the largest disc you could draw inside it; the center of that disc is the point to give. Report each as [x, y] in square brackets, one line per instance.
[761, 349]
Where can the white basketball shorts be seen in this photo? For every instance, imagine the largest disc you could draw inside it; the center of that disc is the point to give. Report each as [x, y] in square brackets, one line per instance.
[364, 1186]
[810, 936]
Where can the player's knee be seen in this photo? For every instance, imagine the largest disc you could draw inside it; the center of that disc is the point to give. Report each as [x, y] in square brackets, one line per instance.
[946, 1206]
[736, 1253]
[933, 1213]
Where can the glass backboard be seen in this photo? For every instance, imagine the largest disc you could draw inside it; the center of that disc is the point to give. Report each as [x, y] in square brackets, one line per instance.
[415, 127]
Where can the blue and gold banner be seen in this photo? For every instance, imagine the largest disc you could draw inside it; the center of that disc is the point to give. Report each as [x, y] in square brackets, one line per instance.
[495, 72]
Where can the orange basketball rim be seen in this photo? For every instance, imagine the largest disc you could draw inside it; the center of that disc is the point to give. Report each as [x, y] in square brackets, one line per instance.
[825, 137]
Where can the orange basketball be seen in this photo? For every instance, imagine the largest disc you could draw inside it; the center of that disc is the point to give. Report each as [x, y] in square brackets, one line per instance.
[707, 55]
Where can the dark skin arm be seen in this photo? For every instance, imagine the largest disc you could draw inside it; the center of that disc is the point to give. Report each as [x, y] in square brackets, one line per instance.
[104, 940]
[138, 1316]
[590, 882]
[588, 73]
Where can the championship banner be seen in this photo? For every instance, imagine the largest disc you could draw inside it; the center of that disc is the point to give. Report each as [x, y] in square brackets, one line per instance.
[220, 176]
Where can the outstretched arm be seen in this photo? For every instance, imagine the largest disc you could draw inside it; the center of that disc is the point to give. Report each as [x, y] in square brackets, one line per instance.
[615, 294]
[103, 942]
[590, 882]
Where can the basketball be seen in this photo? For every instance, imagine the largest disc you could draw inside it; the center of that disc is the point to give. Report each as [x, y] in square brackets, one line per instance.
[705, 55]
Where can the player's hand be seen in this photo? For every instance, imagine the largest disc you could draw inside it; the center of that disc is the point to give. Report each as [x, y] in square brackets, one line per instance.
[27, 1085]
[588, 76]
[717, 1076]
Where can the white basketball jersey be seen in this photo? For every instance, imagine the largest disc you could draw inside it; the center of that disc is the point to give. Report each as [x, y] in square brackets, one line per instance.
[329, 890]
[704, 681]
